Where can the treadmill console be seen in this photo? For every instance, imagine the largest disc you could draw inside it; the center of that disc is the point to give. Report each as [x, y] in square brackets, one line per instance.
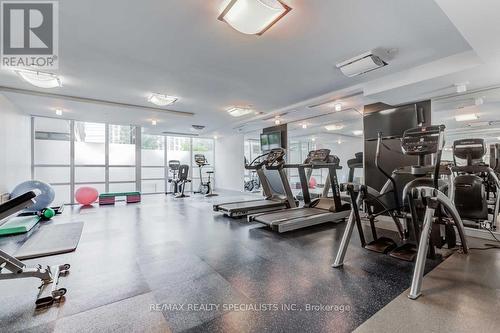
[320, 155]
[275, 157]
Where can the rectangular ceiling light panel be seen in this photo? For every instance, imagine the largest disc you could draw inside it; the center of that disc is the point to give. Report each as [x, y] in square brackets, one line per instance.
[253, 17]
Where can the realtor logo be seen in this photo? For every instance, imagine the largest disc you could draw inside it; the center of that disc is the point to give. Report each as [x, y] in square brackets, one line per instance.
[30, 34]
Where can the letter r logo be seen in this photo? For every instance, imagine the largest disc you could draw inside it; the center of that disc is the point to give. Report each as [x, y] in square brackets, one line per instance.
[27, 28]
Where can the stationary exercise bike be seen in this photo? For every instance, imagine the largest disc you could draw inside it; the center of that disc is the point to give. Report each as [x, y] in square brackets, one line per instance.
[205, 187]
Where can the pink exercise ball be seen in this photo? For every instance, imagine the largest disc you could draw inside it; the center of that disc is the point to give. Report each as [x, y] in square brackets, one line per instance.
[86, 195]
[312, 182]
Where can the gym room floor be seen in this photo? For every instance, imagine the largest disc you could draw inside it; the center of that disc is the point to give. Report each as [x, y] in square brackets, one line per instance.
[134, 258]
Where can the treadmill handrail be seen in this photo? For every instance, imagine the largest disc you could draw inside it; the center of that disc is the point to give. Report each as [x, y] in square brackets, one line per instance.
[312, 166]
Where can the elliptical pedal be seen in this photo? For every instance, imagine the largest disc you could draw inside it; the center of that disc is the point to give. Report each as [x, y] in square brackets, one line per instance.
[381, 245]
[406, 252]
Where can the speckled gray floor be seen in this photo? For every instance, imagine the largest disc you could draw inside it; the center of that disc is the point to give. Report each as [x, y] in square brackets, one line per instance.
[460, 295]
[132, 259]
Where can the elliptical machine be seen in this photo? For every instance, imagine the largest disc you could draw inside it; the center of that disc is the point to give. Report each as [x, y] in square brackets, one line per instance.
[470, 184]
[183, 180]
[173, 180]
[424, 194]
[205, 188]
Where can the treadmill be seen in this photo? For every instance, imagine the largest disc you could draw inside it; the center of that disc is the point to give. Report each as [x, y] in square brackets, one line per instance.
[272, 160]
[317, 211]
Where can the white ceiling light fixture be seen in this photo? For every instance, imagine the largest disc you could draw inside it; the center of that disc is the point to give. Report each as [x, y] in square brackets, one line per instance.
[334, 127]
[253, 17]
[215, 137]
[357, 132]
[313, 139]
[304, 126]
[40, 79]
[337, 106]
[461, 87]
[339, 141]
[154, 122]
[277, 121]
[363, 63]
[466, 117]
[59, 112]
[239, 111]
[161, 99]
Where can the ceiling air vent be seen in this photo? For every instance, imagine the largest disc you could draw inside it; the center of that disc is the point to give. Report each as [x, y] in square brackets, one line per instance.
[363, 63]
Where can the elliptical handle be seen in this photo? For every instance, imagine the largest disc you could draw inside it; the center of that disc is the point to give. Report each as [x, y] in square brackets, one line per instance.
[379, 167]
[439, 153]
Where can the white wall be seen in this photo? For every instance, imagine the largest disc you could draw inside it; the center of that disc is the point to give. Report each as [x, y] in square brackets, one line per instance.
[229, 163]
[15, 146]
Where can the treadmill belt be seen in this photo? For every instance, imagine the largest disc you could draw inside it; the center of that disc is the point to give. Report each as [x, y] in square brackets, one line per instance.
[289, 214]
[251, 204]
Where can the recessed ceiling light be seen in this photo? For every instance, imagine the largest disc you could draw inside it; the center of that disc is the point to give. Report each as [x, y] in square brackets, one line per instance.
[498, 138]
[466, 117]
[215, 137]
[161, 100]
[238, 111]
[339, 141]
[253, 17]
[277, 121]
[338, 106]
[461, 87]
[334, 127]
[304, 126]
[313, 139]
[153, 122]
[59, 112]
[39, 79]
[357, 132]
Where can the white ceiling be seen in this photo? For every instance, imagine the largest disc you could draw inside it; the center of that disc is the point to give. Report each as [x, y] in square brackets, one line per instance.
[121, 50]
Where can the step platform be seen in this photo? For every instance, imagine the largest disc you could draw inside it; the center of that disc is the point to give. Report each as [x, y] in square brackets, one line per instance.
[110, 198]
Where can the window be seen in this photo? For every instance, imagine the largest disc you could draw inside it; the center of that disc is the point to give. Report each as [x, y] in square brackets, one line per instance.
[121, 145]
[55, 141]
[90, 146]
[52, 155]
[153, 169]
